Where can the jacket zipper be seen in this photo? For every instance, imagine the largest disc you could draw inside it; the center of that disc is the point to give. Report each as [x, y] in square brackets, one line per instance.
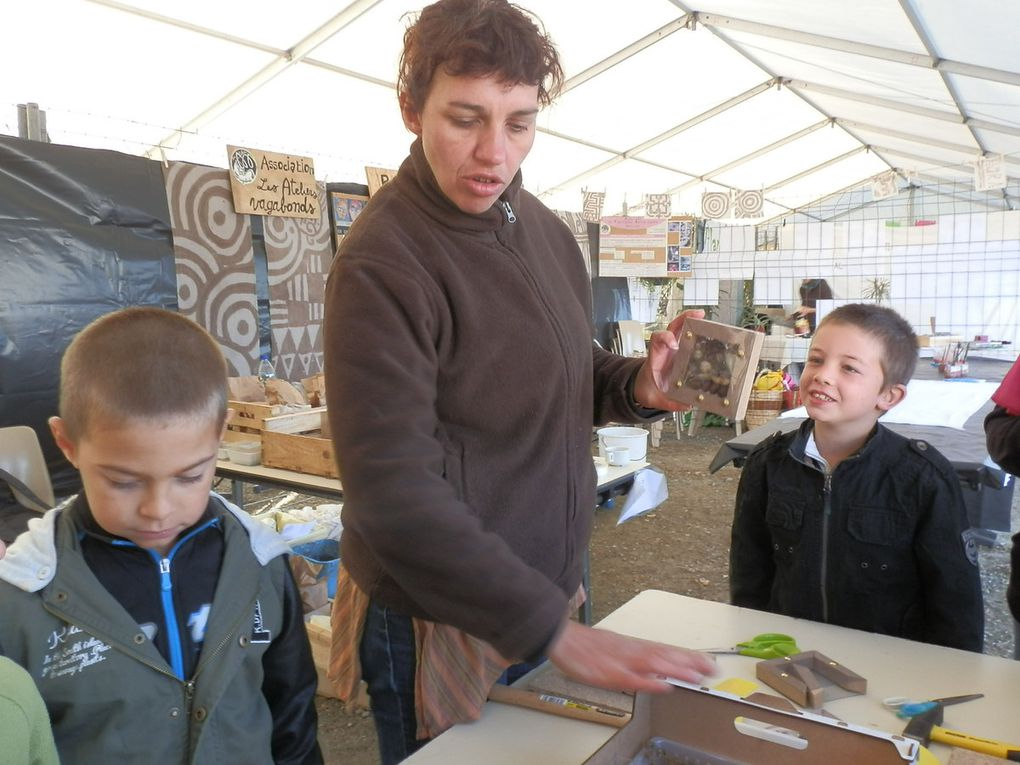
[509, 211]
[826, 513]
[170, 617]
[511, 217]
[167, 600]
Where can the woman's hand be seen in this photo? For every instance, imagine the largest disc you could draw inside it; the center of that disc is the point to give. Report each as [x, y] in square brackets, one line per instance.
[617, 662]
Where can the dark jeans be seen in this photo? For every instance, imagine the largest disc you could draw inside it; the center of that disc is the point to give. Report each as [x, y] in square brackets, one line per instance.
[388, 666]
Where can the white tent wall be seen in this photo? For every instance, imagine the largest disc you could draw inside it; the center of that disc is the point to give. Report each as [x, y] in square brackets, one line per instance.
[806, 102]
[961, 266]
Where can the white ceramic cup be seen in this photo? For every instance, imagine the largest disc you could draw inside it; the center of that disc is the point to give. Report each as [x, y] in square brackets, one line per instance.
[617, 455]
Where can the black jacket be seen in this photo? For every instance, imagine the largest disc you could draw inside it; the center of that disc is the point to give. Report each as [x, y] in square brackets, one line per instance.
[880, 544]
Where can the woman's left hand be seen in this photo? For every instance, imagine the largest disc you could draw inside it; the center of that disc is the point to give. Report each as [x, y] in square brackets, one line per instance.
[650, 385]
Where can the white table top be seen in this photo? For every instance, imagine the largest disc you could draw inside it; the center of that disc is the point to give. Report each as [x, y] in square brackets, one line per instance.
[320, 485]
[507, 735]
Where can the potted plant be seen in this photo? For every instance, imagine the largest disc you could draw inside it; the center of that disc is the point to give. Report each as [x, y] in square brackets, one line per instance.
[877, 289]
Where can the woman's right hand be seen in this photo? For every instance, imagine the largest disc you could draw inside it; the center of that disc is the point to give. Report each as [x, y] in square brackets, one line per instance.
[617, 662]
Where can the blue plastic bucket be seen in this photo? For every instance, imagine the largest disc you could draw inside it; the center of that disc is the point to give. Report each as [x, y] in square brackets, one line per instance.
[324, 553]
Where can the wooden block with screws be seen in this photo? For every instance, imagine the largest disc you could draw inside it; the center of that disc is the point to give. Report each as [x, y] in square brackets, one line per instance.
[715, 366]
[809, 678]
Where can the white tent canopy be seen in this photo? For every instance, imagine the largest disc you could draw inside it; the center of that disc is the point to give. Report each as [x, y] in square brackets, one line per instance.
[799, 99]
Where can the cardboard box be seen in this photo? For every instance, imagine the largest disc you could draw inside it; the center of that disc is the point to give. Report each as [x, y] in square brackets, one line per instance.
[320, 636]
[695, 724]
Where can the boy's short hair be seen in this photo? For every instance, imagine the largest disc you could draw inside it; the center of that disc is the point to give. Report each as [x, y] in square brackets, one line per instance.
[141, 363]
[899, 343]
[477, 38]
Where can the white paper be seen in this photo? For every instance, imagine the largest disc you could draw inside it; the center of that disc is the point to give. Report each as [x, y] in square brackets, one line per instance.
[648, 492]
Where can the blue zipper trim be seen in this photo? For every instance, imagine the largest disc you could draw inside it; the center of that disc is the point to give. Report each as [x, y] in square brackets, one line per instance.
[167, 596]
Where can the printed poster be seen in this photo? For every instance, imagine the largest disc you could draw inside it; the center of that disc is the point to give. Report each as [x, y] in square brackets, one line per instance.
[646, 247]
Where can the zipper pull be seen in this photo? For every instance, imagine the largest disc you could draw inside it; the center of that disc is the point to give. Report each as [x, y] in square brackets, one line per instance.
[164, 574]
[510, 217]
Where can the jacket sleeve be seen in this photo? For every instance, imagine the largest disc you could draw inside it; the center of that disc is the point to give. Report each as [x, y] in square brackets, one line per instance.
[752, 568]
[947, 565]
[289, 683]
[1002, 434]
[614, 389]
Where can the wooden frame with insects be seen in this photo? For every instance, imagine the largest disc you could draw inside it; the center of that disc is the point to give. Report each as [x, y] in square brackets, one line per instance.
[714, 368]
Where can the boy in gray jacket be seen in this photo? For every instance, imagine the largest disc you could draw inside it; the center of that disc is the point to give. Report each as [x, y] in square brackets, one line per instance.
[160, 623]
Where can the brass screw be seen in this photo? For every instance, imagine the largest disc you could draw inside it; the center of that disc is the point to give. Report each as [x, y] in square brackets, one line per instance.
[689, 334]
[679, 383]
[725, 402]
[701, 397]
[740, 353]
[783, 674]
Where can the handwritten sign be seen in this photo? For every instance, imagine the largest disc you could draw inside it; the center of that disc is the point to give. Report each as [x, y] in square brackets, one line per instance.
[377, 176]
[265, 183]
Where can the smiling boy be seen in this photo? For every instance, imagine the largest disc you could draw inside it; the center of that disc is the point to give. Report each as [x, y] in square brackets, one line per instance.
[846, 522]
[159, 622]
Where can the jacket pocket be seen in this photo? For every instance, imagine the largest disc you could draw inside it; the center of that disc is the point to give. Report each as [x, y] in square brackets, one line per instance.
[785, 518]
[877, 526]
[784, 512]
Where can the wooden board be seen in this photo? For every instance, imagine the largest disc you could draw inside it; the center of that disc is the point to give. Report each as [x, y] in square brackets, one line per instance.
[250, 417]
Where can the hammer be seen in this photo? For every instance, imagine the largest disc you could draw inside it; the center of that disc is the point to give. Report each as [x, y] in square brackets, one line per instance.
[927, 727]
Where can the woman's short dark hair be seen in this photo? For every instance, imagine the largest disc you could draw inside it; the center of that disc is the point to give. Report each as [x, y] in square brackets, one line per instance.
[899, 343]
[478, 38]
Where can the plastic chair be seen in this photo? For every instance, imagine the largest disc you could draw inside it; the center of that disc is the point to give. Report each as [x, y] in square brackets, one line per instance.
[22, 457]
[632, 338]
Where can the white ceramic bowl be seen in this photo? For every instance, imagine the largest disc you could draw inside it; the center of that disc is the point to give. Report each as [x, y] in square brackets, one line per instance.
[635, 439]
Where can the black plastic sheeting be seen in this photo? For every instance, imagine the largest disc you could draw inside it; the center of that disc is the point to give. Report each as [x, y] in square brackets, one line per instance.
[82, 232]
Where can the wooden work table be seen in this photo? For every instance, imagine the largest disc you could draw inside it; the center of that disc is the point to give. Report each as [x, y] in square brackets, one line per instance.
[507, 735]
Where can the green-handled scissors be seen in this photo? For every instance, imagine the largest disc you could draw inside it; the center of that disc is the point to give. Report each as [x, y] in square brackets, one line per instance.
[768, 645]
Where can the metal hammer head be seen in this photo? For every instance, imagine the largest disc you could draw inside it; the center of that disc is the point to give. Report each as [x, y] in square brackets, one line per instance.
[919, 728]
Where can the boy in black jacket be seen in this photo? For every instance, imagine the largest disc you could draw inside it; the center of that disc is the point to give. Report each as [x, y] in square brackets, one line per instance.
[846, 522]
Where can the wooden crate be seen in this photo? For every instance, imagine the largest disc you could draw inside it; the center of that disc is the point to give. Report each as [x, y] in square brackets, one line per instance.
[295, 442]
[248, 419]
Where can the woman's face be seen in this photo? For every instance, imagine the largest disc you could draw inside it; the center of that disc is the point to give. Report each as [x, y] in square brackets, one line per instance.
[476, 132]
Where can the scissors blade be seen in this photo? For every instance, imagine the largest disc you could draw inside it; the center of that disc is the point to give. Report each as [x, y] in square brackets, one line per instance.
[958, 699]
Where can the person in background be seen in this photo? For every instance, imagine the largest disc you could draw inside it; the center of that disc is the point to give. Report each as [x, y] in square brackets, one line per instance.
[811, 291]
[463, 383]
[25, 734]
[846, 522]
[159, 622]
[1002, 434]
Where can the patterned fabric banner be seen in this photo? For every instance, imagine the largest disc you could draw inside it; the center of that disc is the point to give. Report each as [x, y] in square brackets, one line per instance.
[214, 261]
[591, 206]
[298, 252]
[658, 205]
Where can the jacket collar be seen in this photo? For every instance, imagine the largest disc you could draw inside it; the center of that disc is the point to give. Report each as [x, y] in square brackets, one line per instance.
[799, 443]
[31, 561]
[416, 179]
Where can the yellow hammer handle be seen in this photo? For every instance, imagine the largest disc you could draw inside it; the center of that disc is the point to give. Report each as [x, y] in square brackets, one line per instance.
[974, 743]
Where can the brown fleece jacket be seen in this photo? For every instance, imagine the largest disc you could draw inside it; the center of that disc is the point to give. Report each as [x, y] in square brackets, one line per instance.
[463, 383]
